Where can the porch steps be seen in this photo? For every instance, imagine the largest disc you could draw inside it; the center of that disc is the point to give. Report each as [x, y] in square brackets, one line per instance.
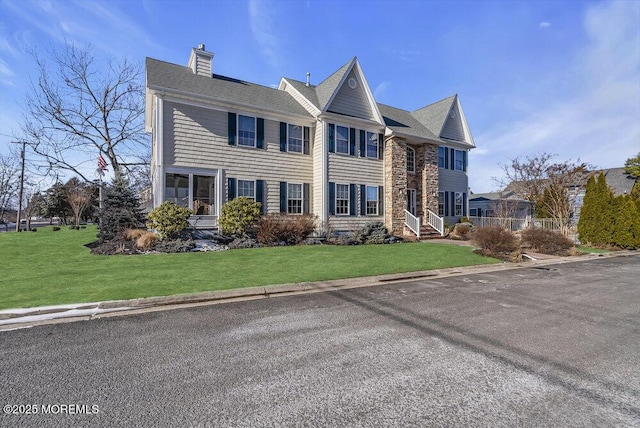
[426, 232]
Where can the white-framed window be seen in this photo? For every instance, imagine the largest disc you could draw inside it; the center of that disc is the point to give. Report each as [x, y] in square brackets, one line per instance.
[294, 198]
[246, 131]
[196, 191]
[295, 138]
[411, 160]
[372, 200]
[342, 199]
[458, 203]
[441, 203]
[442, 158]
[176, 189]
[247, 188]
[458, 160]
[342, 139]
[372, 145]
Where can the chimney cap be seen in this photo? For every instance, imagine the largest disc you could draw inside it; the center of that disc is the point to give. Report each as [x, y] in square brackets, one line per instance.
[201, 46]
[308, 78]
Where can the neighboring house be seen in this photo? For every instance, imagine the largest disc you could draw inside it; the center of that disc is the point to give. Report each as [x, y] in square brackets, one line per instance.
[618, 181]
[329, 149]
[499, 204]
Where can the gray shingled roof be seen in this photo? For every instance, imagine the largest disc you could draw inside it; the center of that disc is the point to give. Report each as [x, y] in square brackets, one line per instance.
[496, 196]
[434, 115]
[403, 122]
[320, 94]
[165, 75]
[618, 181]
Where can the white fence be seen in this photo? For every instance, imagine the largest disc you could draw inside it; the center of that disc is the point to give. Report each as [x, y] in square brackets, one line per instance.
[516, 224]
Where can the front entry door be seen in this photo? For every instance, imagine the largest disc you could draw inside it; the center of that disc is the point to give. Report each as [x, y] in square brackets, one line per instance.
[411, 201]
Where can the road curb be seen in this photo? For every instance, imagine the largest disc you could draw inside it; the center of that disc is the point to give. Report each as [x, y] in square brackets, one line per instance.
[23, 318]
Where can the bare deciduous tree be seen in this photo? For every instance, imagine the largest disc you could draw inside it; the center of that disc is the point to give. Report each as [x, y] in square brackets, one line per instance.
[79, 197]
[527, 177]
[9, 182]
[79, 107]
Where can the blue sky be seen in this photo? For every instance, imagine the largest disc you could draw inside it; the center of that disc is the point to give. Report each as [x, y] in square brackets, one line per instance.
[533, 76]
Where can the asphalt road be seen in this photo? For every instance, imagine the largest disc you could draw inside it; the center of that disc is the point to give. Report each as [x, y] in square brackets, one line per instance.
[555, 346]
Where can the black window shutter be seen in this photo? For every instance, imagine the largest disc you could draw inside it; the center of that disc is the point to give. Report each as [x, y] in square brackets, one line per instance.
[452, 199]
[332, 198]
[283, 196]
[332, 138]
[306, 140]
[305, 198]
[363, 137]
[352, 199]
[363, 199]
[464, 204]
[260, 129]
[231, 188]
[283, 137]
[260, 196]
[452, 158]
[232, 129]
[380, 200]
[446, 203]
[380, 146]
[446, 157]
[352, 141]
[464, 160]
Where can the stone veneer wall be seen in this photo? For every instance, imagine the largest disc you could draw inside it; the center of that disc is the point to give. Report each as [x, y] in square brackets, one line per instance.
[429, 176]
[395, 184]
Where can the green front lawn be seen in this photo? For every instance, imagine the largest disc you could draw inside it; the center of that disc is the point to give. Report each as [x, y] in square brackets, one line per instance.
[49, 268]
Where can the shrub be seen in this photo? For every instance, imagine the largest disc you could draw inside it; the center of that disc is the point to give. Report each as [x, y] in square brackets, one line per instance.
[56, 228]
[546, 241]
[169, 219]
[494, 240]
[120, 210]
[373, 233]
[132, 234]
[146, 241]
[461, 231]
[290, 229]
[239, 215]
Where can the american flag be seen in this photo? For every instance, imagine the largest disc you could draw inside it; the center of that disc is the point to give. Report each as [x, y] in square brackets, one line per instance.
[102, 164]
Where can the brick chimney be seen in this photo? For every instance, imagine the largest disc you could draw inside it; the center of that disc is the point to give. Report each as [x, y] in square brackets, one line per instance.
[201, 61]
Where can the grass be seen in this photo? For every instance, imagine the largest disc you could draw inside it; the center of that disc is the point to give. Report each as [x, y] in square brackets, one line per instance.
[592, 250]
[49, 268]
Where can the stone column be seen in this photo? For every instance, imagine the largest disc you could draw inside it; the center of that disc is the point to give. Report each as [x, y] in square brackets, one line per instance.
[430, 183]
[395, 184]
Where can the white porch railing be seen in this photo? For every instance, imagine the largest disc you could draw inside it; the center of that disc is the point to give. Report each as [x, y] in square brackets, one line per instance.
[412, 222]
[436, 222]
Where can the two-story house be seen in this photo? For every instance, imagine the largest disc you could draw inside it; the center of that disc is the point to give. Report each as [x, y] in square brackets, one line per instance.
[328, 149]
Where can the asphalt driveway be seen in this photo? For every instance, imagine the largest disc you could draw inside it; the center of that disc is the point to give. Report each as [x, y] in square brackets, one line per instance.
[554, 346]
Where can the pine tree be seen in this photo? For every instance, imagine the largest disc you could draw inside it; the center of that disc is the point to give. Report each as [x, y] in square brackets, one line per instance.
[627, 225]
[588, 213]
[120, 210]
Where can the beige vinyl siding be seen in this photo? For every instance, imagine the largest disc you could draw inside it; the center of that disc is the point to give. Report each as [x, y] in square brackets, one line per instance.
[318, 156]
[345, 169]
[354, 169]
[352, 102]
[197, 137]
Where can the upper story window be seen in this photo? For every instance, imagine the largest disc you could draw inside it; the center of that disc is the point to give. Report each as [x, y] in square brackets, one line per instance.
[372, 145]
[295, 138]
[459, 160]
[442, 157]
[247, 188]
[246, 131]
[411, 160]
[342, 199]
[342, 139]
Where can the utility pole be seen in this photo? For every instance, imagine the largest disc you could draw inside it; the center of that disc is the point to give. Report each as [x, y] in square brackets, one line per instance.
[24, 144]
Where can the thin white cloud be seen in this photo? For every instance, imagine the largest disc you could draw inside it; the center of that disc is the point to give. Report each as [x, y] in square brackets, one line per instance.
[5, 70]
[545, 24]
[380, 91]
[262, 21]
[599, 123]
